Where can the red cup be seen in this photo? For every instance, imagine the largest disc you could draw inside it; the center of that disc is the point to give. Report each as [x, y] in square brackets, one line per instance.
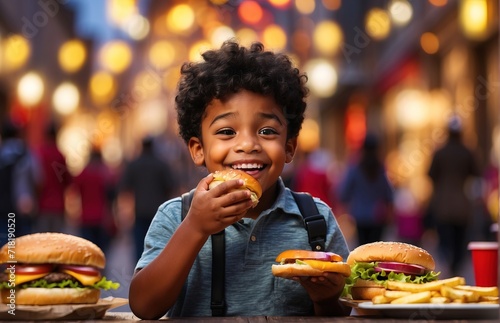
[485, 262]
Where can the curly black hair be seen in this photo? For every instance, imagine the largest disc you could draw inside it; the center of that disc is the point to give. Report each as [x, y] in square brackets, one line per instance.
[233, 68]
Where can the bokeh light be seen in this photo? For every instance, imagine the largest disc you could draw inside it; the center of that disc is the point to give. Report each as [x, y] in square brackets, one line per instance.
[30, 89]
[180, 18]
[102, 87]
[16, 52]
[401, 12]
[429, 42]
[72, 55]
[322, 77]
[378, 24]
[116, 56]
[328, 37]
[66, 98]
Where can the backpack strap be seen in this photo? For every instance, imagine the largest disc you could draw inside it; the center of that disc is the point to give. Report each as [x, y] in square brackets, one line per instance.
[217, 303]
[314, 222]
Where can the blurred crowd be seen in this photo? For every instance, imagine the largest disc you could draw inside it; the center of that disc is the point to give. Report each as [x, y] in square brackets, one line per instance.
[103, 203]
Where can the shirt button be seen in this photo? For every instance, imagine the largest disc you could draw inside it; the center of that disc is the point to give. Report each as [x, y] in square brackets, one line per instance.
[253, 238]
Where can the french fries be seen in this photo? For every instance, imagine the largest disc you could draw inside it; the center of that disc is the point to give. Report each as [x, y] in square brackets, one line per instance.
[450, 290]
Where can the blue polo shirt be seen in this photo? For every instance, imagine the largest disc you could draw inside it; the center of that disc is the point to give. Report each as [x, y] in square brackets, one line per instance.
[251, 249]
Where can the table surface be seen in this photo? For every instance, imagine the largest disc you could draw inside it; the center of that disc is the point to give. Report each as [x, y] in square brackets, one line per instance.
[128, 317]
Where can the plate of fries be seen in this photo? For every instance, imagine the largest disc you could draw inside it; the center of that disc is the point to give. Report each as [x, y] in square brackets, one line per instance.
[449, 298]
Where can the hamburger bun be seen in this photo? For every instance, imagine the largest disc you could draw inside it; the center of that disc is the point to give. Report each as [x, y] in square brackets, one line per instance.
[365, 289]
[53, 296]
[392, 251]
[55, 248]
[249, 182]
[295, 263]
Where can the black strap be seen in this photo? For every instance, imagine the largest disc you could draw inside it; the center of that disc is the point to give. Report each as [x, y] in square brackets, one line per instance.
[315, 223]
[217, 303]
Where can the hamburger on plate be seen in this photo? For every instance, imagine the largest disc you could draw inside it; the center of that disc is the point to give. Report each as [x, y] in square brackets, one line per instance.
[375, 263]
[52, 268]
[249, 183]
[294, 263]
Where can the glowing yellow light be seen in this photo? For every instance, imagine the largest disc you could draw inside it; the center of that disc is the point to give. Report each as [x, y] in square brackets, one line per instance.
[180, 18]
[308, 139]
[72, 55]
[327, 37]
[322, 77]
[116, 56]
[120, 10]
[197, 49]
[305, 7]
[102, 87]
[17, 51]
[246, 36]
[66, 98]
[401, 12]
[281, 4]
[221, 34]
[30, 89]
[274, 37]
[474, 18]
[137, 27]
[378, 24]
[429, 43]
[161, 54]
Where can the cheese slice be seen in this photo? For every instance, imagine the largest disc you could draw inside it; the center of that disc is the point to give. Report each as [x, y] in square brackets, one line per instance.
[23, 278]
[86, 280]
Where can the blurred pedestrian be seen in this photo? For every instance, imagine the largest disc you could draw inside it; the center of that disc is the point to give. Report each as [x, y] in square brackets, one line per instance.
[313, 176]
[19, 177]
[55, 180]
[95, 187]
[150, 182]
[367, 193]
[450, 208]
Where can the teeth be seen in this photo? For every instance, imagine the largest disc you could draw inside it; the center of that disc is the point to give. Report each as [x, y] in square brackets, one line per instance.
[248, 166]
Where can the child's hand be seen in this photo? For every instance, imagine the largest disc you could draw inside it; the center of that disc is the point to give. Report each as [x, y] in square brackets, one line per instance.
[213, 210]
[323, 288]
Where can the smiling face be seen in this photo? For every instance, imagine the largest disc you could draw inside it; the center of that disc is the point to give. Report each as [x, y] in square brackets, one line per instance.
[247, 132]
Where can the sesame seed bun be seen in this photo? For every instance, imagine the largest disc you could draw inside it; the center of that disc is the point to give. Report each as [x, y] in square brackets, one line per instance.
[54, 248]
[392, 251]
[250, 183]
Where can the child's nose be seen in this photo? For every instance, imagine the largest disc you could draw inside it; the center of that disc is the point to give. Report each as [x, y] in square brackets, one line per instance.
[247, 143]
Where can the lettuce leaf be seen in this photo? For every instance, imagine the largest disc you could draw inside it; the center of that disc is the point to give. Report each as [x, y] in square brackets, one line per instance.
[104, 283]
[366, 271]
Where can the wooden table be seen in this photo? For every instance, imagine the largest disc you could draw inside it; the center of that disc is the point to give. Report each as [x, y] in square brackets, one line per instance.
[129, 317]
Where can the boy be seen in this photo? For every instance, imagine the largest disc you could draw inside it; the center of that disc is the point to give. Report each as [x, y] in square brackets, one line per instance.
[240, 108]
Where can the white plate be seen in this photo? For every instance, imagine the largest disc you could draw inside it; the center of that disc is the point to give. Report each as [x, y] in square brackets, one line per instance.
[435, 311]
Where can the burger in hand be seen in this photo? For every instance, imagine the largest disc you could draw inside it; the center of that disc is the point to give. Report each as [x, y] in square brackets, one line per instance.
[52, 268]
[375, 263]
[249, 183]
[294, 263]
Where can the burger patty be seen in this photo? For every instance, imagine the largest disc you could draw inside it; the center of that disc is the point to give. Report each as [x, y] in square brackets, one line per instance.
[53, 277]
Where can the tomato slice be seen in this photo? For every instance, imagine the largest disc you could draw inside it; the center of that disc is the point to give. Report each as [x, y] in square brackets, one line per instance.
[400, 267]
[84, 270]
[24, 269]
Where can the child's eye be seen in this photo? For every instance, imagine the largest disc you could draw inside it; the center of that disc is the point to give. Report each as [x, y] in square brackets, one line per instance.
[268, 131]
[226, 132]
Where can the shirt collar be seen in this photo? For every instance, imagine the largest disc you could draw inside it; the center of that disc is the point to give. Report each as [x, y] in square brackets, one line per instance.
[284, 201]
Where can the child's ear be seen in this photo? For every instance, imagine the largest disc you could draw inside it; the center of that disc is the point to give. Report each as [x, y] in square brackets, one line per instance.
[290, 148]
[196, 150]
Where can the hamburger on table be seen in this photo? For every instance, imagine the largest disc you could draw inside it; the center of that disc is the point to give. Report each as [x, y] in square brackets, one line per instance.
[52, 268]
[373, 264]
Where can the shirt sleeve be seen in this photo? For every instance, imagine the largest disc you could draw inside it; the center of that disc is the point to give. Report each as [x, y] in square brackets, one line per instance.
[163, 226]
